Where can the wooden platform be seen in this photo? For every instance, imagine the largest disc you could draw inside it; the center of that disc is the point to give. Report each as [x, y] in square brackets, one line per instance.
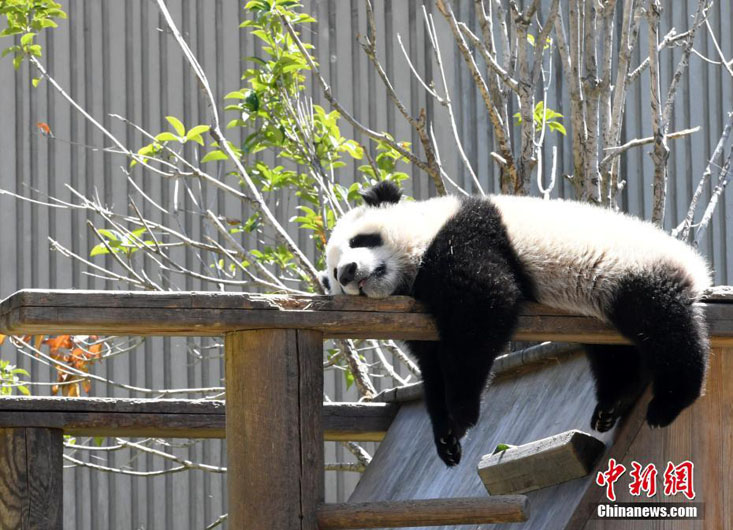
[276, 421]
[211, 314]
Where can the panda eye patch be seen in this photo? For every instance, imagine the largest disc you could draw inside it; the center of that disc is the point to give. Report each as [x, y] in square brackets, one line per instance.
[366, 240]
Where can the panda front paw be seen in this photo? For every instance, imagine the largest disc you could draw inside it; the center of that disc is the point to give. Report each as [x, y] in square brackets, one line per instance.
[604, 417]
[449, 447]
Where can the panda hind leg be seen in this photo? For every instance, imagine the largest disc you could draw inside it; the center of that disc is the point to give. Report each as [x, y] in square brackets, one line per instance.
[657, 313]
[445, 432]
[466, 373]
[619, 376]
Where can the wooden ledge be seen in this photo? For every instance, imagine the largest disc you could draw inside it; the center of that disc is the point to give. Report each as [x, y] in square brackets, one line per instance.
[211, 314]
[175, 418]
[427, 512]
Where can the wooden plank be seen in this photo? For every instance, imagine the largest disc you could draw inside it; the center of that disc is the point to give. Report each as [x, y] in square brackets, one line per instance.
[31, 488]
[175, 418]
[210, 314]
[424, 512]
[274, 439]
[535, 465]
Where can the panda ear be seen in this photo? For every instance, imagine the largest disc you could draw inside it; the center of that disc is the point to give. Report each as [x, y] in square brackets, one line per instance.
[382, 192]
[325, 282]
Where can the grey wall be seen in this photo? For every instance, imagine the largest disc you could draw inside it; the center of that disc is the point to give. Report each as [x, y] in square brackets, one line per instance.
[113, 57]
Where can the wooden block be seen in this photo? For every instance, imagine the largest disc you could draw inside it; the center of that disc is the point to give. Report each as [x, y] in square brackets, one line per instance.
[31, 485]
[539, 464]
[424, 512]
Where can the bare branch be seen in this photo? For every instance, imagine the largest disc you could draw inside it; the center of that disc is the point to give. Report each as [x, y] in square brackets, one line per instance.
[723, 180]
[369, 46]
[501, 128]
[660, 154]
[613, 152]
[382, 137]
[701, 14]
[683, 231]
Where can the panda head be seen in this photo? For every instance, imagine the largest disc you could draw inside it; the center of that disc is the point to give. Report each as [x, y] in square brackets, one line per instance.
[366, 254]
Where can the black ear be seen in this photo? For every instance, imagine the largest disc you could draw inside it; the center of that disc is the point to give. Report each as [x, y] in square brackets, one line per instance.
[382, 192]
[325, 282]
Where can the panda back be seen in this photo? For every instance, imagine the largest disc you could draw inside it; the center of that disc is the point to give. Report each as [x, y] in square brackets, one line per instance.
[577, 253]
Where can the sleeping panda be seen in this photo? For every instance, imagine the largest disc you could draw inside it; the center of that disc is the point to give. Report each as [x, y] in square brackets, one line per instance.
[473, 262]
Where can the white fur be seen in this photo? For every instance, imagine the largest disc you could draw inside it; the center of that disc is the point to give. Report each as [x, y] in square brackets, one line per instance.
[574, 252]
[407, 228]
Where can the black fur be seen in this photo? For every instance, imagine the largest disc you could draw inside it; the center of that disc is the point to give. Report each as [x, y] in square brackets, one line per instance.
[382, 192]
[620, 377]
[325, 282]
[472, 282]
[655, 311]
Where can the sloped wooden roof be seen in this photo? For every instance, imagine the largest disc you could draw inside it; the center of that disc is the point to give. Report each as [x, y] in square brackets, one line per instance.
[547, 399]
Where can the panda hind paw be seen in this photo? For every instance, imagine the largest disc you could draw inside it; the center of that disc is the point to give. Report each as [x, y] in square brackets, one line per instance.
[449, 448]
[662, 412]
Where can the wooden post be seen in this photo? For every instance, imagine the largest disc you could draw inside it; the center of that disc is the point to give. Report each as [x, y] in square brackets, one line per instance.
[31, 483]
[274, 391]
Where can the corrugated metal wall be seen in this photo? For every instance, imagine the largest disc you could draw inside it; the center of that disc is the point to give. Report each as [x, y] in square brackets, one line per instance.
[115, 57]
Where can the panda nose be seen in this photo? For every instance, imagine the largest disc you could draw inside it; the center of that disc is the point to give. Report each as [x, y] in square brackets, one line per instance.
[347, 273]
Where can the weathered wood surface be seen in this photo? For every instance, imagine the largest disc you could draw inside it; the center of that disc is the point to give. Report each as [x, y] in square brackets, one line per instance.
[509, 364]
[425, 512]
[175, 418]
[209, 314]
[274, 435]
[702, 434]
[539, 464]
[31, 482]
[556, 398]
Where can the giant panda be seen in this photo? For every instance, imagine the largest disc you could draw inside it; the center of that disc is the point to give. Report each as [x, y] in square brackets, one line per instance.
[473, 261]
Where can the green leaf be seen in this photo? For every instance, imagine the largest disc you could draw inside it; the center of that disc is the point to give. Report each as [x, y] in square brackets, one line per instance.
[35, 81]
[26, 39]
[98, 249]
[252, 101]
[197, 131]
[110, 234]
[556, 126]
[502, 447]
[23, 390]
[236, 94]
[167, 137]
[177, 125]
[214, 155]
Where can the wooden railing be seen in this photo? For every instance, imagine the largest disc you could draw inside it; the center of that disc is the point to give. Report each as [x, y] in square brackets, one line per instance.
[275, 421]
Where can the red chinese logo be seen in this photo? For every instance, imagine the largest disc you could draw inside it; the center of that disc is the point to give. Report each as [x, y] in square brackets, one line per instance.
[609, 477]
[678, 479]
[645, 479]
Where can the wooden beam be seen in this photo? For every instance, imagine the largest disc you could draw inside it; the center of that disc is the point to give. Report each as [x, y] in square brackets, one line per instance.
[31, 489]
[428, 512]
[274, 395]
[211, 314]
[175, 418]
[539, 464]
